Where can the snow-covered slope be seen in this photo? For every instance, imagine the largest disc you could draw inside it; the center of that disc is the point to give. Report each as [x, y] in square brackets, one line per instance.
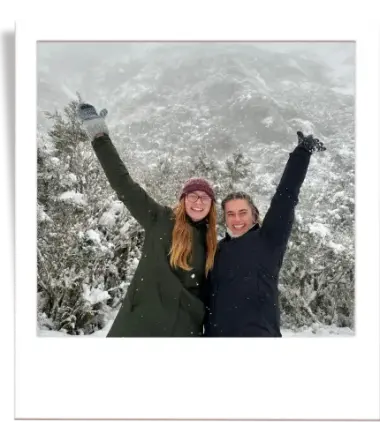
[177, 98]
[163, 87]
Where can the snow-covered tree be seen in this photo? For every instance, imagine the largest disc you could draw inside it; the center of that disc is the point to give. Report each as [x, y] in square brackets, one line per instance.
[317, 279]
[88, 244]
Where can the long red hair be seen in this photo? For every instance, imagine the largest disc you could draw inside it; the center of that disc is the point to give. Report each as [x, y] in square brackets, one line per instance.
[180, 252]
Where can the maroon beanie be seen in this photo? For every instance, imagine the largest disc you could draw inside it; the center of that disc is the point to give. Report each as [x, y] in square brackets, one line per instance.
[197, 184]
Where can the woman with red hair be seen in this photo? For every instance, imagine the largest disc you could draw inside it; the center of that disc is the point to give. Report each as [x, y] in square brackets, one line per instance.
[166, 295]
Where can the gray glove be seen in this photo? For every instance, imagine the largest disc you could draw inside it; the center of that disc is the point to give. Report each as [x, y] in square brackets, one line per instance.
[93, 123]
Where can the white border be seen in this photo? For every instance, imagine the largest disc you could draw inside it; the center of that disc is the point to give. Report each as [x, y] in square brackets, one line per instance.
[200, 378]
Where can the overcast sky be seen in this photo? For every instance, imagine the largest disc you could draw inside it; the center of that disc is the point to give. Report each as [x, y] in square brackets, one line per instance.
[327, 49]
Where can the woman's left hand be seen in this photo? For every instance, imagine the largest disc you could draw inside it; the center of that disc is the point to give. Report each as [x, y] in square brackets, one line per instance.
[310, 143]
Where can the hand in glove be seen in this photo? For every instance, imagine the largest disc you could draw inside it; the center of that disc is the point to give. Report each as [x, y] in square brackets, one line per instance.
[93, 123]
[310, 143]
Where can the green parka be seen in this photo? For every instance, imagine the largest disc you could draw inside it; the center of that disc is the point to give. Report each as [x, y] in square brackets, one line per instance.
[161, 301]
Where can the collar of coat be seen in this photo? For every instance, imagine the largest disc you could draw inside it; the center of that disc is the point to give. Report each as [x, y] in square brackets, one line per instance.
[253, 228]
[199, 224]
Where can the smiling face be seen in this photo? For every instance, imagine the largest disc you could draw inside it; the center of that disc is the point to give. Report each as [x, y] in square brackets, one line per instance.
[197, 205]
[239, 217]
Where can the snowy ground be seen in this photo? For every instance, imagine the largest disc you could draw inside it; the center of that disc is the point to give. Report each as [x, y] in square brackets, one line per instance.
[319, 331]
[311, 331]
[315, 330]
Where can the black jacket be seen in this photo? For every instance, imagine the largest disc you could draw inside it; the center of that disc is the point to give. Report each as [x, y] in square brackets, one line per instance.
[243, 299]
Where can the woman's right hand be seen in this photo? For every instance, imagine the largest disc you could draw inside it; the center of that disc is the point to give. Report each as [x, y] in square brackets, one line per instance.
[142, 207]
[93, 124]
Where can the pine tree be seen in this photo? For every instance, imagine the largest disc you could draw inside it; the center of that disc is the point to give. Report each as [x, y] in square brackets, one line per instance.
[88, 244]
[316, 281]
[237, 169]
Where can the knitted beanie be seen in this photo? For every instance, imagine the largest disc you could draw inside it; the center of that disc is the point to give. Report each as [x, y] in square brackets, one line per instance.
[197, 184]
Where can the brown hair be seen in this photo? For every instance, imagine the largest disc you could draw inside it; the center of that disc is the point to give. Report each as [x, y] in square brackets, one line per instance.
[181, 248]
[241, 195]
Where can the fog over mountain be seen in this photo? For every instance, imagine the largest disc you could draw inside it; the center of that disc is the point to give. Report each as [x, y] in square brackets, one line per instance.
[255, 92]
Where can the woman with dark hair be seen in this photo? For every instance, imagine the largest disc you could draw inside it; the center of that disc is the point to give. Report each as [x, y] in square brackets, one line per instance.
[165, 297]
[243, 283]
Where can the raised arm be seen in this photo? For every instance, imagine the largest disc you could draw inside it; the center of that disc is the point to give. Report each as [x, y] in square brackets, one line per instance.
[278, 222]
[142, 207]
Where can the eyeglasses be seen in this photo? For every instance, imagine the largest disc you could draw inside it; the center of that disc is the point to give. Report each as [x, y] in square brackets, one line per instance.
[193, 197]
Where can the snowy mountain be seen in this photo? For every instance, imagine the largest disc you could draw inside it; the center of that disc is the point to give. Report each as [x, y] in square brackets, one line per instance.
[177, 98]
[173, 95]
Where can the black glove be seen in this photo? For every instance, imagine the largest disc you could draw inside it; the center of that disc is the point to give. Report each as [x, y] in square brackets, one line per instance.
[310, 143]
